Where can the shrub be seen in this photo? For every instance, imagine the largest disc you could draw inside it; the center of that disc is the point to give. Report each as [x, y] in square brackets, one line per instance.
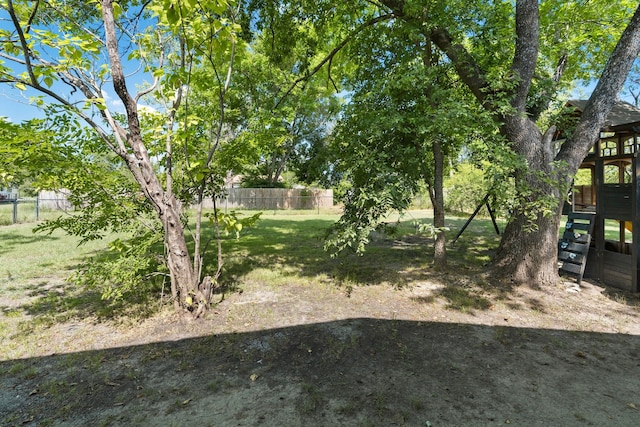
[465, 189]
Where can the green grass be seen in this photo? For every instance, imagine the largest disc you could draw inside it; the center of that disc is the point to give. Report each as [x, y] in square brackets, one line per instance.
[282, 245]
[27, 255]
[25, 213]
[283, 248]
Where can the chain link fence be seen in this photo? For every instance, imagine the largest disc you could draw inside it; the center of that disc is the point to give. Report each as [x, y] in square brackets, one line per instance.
[16, 210]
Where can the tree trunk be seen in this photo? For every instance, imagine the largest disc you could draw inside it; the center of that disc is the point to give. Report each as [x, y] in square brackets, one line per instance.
[183, 280]
[529, 257]
[528, 249]
[440, 250]
[136, 156]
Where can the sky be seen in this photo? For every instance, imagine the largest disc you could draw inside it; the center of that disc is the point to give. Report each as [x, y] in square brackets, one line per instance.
[15, 106]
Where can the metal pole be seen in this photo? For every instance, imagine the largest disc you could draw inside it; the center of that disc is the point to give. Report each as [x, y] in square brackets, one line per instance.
[473, 215]
[15, 211]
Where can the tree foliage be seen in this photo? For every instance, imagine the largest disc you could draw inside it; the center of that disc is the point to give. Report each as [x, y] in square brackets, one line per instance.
[516, 58]
[156, 150]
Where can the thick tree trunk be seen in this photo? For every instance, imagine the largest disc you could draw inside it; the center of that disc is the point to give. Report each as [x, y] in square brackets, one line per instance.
[528, 248]
[529, 254]
[529, 257]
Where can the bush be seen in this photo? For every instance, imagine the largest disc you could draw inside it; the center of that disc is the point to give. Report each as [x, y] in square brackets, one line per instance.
[465, 189]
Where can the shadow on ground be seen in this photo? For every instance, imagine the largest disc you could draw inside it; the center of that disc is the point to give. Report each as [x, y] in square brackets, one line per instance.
[358, 372]
[13, 239]
[295, 247]
[388, 258]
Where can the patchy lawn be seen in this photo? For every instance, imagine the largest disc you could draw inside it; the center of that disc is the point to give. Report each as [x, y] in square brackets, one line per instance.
[306, 340]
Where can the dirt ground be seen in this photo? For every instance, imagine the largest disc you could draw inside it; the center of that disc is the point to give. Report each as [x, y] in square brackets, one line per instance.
[446, 352]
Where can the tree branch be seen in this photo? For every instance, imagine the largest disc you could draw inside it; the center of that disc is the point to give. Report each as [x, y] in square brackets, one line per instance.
[466, 66]
[526, 52]
[602, 99]
[23, 41]
[334, 52]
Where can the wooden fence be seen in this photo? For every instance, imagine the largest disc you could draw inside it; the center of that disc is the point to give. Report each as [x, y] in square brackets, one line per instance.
[236, 198]
[274, 199]
[54, 200]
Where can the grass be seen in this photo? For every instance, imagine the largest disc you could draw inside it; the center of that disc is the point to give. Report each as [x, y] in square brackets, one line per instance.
[25, 212]
[28, 255]
[295, 320]
[283, 245]
[284, 248]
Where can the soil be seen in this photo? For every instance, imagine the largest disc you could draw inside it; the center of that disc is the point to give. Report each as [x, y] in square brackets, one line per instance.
[446, 352]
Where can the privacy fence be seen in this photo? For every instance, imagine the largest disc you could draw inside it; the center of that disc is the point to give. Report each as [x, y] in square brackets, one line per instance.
[16, 209]
[275, 199]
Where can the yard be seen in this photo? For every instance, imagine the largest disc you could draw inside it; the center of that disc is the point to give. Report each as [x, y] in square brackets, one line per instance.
[301, 339]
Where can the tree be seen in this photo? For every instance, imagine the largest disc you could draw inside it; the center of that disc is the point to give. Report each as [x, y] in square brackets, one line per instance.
[406, 117]
[515, 64]
[284, 127]
[21, 149]
[68, 53]
[529, 253]
[632, 86]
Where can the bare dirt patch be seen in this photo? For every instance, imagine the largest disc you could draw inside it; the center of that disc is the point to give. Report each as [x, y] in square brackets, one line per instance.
[452, 351]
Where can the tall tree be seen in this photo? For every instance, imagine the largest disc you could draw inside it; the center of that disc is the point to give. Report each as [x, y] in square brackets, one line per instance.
[406, 117]
[282, 124]
[69, 53]
[515, 63]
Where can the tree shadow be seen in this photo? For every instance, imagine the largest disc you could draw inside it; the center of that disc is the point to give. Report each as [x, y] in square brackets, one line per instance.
[398, 259]
[295, 248]
[349, 372]
[49, 303]
[14, 238]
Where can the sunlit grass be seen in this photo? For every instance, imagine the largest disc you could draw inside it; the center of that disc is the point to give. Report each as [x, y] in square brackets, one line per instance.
[283, 249]
[27, 255]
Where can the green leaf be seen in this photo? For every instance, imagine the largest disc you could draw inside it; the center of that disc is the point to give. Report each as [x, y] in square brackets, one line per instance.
[172, 15]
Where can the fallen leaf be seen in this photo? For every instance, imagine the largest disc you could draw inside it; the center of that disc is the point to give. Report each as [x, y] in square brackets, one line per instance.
[186, 402]
[253, 377]
[632, 406]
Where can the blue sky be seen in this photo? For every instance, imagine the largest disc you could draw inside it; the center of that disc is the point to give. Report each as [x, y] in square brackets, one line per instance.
[15, 105]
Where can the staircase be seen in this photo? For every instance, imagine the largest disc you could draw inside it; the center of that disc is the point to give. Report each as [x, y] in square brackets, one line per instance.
[573, 247]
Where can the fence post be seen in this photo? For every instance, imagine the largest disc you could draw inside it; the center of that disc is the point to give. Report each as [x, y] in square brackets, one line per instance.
[15, 211]
[38, 207]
